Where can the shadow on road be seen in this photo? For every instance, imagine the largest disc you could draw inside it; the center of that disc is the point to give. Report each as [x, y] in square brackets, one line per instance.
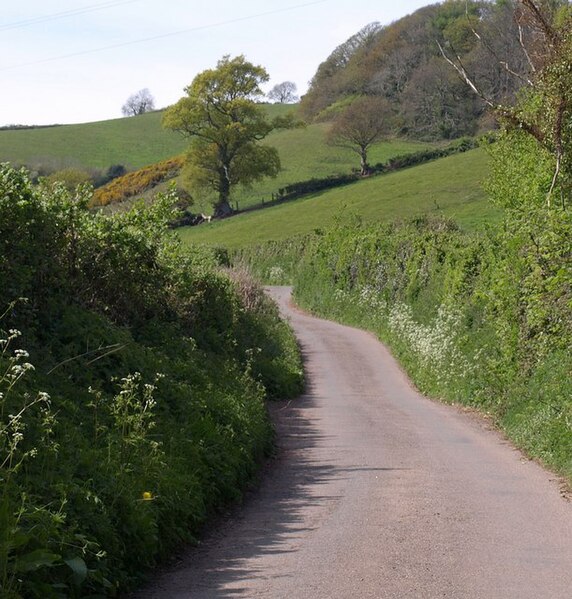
[273, 515]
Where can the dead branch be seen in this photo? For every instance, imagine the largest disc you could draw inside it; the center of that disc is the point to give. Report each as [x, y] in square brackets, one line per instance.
[462, 71]
[524, 49]
[548, 31]
[491, 51]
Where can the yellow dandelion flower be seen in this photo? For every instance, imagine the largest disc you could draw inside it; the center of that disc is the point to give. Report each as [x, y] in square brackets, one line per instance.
[147, 496]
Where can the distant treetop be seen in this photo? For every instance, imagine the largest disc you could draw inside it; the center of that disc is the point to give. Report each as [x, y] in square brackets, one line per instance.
[138, 103]
[283, 93]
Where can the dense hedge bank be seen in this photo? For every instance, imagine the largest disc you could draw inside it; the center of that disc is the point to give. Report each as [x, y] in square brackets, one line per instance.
[484, 320]
[133, 375]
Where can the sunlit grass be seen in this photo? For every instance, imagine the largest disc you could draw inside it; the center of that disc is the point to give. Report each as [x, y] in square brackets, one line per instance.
[134, 142]
[450, 186]
[305, 155]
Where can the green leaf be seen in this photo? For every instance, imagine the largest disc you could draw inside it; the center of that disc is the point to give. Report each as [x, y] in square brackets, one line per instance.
[79, 569]
[36, 559]
[19, 539]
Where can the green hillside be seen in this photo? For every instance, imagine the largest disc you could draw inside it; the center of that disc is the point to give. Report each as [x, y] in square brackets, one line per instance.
[134, 142]
[139, 141]
[304, 155]
[450, 186]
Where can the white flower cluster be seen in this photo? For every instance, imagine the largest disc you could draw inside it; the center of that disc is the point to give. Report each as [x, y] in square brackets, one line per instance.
[13, 425]
[12, 334]
[369, 297]
[436, 344]
[340, 295]
[275, 274]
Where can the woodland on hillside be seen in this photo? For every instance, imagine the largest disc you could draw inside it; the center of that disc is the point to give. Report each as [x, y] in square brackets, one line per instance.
[403, 63]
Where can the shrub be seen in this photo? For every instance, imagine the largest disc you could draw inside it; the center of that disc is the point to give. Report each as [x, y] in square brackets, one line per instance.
[114, 171]
[144, 409]
[69, 177]
[131, 184]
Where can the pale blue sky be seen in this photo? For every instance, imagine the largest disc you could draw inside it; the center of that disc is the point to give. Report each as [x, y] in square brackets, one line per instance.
[50, 73]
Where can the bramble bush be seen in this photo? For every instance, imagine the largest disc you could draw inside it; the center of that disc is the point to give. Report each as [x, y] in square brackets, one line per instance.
[144, 409]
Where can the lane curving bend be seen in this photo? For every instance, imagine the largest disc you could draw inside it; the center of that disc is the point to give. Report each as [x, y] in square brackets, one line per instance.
[377, 492]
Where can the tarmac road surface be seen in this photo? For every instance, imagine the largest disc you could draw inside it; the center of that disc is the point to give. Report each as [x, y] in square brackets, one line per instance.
[378, 492]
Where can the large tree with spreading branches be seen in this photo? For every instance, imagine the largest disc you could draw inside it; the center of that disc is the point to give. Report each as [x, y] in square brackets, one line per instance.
[221, 118]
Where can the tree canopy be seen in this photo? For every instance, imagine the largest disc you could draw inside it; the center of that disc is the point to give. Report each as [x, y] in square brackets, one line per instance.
[220, 116]
[402, 63]
[283, 93]
[365, 121]
[138, 103]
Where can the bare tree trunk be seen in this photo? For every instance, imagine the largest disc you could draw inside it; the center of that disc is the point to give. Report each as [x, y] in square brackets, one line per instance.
[223, 208]
[363, 162]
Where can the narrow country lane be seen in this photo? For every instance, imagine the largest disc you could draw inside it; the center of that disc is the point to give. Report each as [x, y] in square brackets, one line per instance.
[377, 492]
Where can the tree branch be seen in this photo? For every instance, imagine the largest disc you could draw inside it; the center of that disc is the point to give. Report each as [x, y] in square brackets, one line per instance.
[523, 47]
[459, 67]
[545, 27]
[491, 50]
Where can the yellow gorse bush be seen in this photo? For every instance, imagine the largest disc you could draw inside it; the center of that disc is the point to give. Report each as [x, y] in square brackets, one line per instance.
[137, 182]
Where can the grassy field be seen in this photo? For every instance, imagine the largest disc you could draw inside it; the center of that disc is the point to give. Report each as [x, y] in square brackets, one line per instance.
[304, 155]
[133, 142]
[450, 186]
[140, 141]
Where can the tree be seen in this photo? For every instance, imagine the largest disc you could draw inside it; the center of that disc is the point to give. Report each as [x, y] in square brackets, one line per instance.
[331, 80]
[283, 93]
[543, 112]
[225, 125]
[138, 103]
[365, 121]
[435, 103]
